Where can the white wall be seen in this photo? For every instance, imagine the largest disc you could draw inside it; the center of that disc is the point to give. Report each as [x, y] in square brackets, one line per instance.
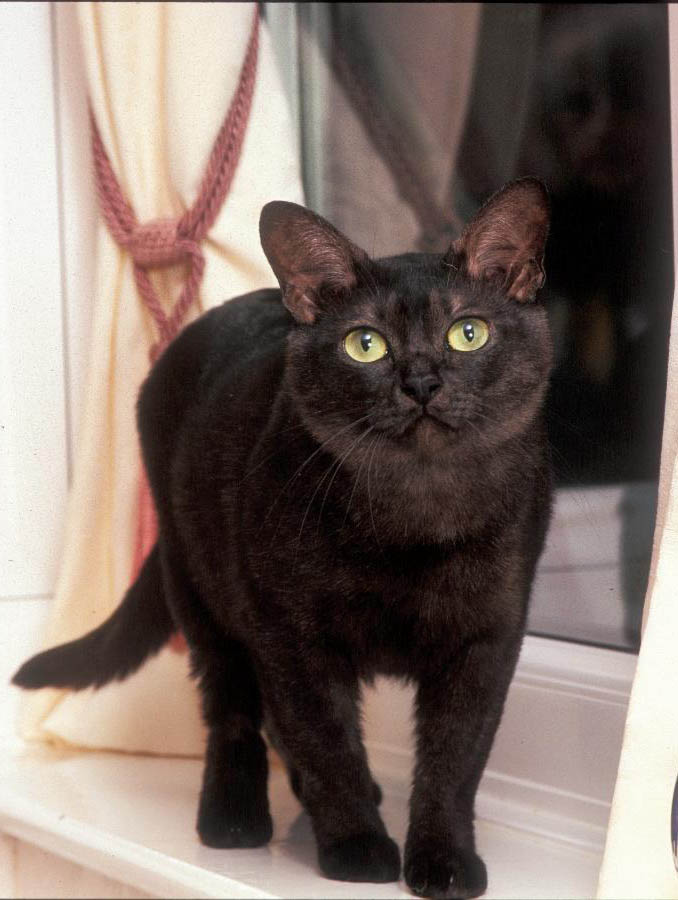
[47, 215]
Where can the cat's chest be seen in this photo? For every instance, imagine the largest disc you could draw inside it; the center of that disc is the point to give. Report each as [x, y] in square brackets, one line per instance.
[309, 499]
[380, 559]
[422, 602]
[385, 605]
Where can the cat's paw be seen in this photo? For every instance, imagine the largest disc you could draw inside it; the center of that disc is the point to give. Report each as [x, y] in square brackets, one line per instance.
[295, 784]
[234, 827]
[445, 874]
[361, 857]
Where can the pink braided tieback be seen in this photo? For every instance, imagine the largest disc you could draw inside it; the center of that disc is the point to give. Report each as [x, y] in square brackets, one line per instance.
[166, 242]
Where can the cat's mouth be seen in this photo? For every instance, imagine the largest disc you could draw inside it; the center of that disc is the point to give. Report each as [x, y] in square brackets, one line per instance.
[427, 423]
[421, 424]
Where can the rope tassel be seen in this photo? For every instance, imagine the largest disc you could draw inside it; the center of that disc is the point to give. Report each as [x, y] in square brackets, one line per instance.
[166, 242]
[169, 241]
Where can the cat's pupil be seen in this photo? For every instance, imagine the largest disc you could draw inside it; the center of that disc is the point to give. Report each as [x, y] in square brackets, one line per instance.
[366, 341]
[468, 332]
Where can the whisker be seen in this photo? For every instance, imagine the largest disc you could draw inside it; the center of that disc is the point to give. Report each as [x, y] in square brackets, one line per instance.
[311, 457]
[357, 479]
[522, 444]
[576, 493]
[339, 465]
[284, 449]
[369, 496]
[308, 509]
[275, 452]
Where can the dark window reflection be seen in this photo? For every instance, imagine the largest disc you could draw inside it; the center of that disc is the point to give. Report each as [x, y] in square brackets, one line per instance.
[428, 109]
[597, 130]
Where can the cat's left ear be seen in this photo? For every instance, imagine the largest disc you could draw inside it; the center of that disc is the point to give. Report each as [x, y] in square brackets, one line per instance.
[505, 240]
[307, 254]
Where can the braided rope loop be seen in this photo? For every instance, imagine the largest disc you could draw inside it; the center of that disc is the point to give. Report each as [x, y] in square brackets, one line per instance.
[171, 241]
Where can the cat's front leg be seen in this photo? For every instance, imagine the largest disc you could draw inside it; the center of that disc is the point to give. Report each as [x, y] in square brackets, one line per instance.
[316, 719]
[458, 707]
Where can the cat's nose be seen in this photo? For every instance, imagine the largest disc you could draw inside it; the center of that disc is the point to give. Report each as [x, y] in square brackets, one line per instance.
[421, 387]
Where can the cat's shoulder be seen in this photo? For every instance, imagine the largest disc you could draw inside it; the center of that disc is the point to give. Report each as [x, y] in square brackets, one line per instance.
[222, 340]
[248, 324]
[256, 310]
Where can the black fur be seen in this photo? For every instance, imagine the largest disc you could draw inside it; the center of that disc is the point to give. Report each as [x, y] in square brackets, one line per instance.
[319, 525]
[139, 627]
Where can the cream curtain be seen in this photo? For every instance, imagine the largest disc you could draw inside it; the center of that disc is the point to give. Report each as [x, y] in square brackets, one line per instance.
[638, 860]
[160, 78]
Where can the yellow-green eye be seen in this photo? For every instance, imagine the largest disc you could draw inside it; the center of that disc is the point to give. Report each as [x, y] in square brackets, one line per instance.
[468, 334]
[365, 345]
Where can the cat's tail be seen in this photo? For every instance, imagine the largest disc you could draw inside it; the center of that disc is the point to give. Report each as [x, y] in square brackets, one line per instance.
[138, 628]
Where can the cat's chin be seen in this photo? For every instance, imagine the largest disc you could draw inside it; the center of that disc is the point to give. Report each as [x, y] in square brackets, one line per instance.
[431, 433]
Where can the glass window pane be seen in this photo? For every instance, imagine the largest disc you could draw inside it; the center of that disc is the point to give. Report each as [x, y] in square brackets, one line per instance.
[412, 114]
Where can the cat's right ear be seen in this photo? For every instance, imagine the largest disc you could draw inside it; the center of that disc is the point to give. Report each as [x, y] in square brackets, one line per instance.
[307, 254]
[505, 240]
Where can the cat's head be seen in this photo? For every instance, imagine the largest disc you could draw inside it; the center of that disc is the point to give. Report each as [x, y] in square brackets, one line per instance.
[431, 353]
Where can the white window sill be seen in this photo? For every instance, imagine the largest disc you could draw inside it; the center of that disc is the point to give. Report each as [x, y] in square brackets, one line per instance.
[543, 803]
[131, 818]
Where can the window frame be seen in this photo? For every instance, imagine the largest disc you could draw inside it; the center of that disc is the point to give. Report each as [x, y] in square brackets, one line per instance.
[565, 712]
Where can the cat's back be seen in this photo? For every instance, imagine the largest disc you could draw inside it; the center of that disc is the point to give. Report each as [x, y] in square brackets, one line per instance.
[212, 358]
[241, 331]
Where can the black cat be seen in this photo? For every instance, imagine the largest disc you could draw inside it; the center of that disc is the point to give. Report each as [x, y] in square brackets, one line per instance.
[355, 482]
